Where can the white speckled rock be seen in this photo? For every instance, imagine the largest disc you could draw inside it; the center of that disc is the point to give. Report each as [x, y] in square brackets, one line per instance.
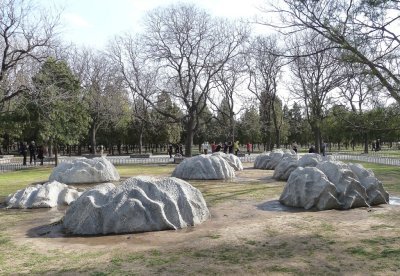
[232, 159]
[50, 194]
[140, 204]
[285, 167]
[269, 160]
[309, 188]
[310, 160]
[96, 170]
[204, 167]
[350, 191]
[262, 160]
[374, 188]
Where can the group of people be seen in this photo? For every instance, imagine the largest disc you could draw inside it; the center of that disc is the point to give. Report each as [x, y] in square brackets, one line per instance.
[35, 152]
[312, 148]
[178, 149]
[227, 147]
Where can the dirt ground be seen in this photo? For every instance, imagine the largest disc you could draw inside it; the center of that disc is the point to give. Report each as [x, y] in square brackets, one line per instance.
[269, 233]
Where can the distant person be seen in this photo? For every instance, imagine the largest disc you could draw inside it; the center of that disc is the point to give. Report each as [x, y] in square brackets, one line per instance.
[294, 147]
[311, 149]
[230, 147]
[170, 149]
[378, 145]
[204, 147]
[23, 150]
[180, 149]
[323, 148]
[40, 154]
[225, 147]
[32, 152]
[249, 148]
[236, 147]
[218, 148]
[213, 147]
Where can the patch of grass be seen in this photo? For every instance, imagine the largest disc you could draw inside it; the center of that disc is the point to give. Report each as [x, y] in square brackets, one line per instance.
[388, 175]
[214, 236]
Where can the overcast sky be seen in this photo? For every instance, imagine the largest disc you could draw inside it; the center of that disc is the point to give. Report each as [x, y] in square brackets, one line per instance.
[93, 22]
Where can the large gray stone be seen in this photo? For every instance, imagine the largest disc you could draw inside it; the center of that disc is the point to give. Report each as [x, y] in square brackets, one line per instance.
[269, 160]
[285, 167]
[310, 160]
[374, 188]
[232, 159]
[140, 204]
[204, 167]
[82, 170]
[311, 187]
[48, 195]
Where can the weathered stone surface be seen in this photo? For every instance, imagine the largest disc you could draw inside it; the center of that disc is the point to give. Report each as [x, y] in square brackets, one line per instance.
[140, 204]
[310, 160]
[353, 186]
[204, 167]
[232, 159]
[269, 160]
[307, 188]
[82, 170]
[374, 188]
[262, 160]
[285, 167]
[50, 194]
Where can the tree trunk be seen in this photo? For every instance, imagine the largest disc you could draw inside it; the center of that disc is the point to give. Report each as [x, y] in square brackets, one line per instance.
[366, 144]
[189, 137]
[140, 140]
[93, 138]
[55, 154]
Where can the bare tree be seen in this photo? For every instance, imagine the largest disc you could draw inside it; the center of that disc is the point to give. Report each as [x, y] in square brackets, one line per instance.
[265, 66]
[190, 48]
[228, 85]
[102, 89]
[316, 75]
[366, 31]
[26, 33]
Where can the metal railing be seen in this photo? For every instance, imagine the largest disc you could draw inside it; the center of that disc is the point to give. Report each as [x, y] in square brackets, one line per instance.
[391, 161]
[15, 163]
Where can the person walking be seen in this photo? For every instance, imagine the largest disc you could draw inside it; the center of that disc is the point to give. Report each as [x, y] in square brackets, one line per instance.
[236, 147]
[40, 154]
[249, 148]
[32, 152]
[23, 150]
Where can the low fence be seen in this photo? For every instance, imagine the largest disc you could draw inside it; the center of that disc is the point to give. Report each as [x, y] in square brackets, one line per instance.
[15, 163]
[368, 158]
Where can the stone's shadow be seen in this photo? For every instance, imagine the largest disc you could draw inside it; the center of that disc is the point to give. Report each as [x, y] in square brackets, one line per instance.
[54, 230]
[276, 206]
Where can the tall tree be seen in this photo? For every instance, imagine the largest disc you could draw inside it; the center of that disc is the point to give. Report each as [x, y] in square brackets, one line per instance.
[264, 67]
[102, 87]
[61, 115]
[316, 74]
[366, 31]
[190, 47]
[27, 32]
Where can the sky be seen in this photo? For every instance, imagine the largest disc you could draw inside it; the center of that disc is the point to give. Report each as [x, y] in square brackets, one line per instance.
[93, 22]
